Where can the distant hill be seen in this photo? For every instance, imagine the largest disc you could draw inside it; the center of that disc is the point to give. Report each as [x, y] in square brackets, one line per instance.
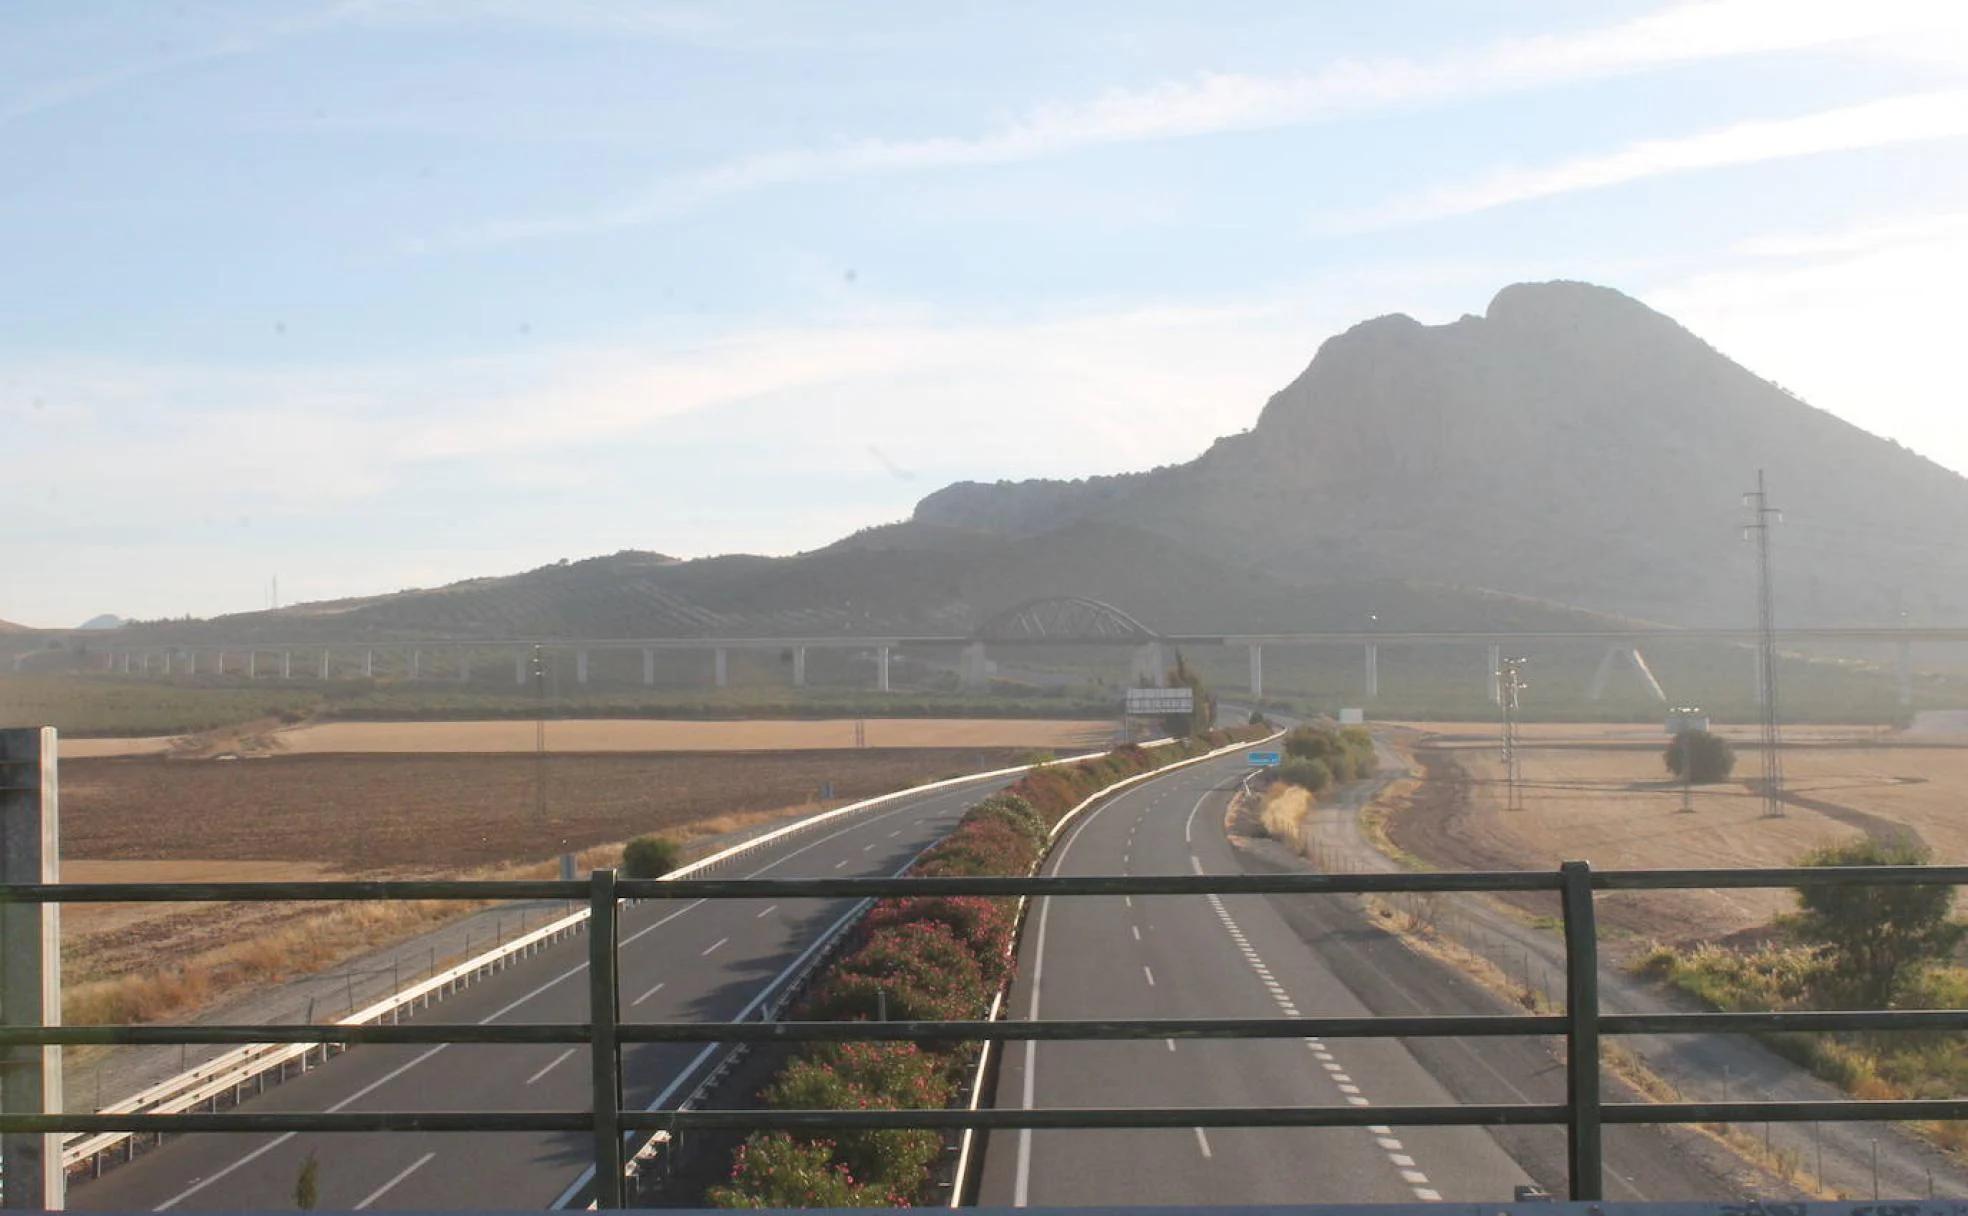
[10, 627]
[1570, 445]
[1571, 457]
[869, 585]
[105, 621]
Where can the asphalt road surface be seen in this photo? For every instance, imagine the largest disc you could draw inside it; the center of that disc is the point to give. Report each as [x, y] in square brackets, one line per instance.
[1260, 956]
[698, 961]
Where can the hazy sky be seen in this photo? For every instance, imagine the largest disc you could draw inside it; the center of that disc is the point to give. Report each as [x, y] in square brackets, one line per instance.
[378, 294]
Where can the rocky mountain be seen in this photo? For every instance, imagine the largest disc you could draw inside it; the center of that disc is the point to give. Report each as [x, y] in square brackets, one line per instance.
[1570, 445]
[1568, 456]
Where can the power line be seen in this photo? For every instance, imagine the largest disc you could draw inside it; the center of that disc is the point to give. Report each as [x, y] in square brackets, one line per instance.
[1762, 515]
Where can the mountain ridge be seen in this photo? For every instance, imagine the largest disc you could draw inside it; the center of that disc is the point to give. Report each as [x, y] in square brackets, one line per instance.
[1571, 455]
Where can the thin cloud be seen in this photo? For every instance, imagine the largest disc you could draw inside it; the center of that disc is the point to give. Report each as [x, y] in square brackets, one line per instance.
[1216, 103]
[1919, 118]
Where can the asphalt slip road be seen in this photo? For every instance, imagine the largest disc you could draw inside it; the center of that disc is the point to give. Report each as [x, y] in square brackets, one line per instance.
[1258, 956]
[702, 961]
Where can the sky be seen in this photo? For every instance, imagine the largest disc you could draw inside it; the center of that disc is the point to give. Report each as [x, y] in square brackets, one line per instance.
[360, 295]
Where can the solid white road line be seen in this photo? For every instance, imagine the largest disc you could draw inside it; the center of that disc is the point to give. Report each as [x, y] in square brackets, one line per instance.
[645, 996]
[382, 1190]
[1189, 827]
[549, 1068]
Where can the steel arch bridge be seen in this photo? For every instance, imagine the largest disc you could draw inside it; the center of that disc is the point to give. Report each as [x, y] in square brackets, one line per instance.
[1063, 619]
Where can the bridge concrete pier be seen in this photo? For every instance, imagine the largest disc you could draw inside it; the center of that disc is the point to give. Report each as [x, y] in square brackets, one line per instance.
[648, 666]
[1905, 665]
[323, 672]
[286, 664]
[799, 667]
[416, 664]
[1149, 666]
[1256, 670]
[519, 668]
[1373, 670]
[1496, 674]
[580, 667]
[252, 665]
[974, 668]
[464, 667]
[721, 667]
[881, 670]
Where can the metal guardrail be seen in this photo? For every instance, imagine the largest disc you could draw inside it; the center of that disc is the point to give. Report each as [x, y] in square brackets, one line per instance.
[1584, 1113]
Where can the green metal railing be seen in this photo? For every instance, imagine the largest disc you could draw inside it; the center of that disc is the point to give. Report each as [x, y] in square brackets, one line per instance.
[1584, 1113]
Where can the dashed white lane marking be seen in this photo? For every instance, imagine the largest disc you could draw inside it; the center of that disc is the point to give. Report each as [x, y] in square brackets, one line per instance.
[1202, 1142]
[645, 996]
[1397, 1156]
[895, 833]
[714, 945]
[1171, 1043]
[1127, 900]
[384, 1189]
[1137, 931]
[1149, 974]
[551, 1065]
[768, 911]
[868, 848]
[840, 865]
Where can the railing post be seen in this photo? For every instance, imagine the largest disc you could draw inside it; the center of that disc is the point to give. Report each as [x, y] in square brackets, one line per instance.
[30, 965]
[1585, 1156]
[603, 1010]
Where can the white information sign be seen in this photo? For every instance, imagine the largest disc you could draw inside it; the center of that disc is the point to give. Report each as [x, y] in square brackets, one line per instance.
[1151, 702]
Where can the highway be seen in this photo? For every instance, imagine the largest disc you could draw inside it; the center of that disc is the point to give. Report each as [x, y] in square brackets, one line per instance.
[1260, 956]
[702, 961]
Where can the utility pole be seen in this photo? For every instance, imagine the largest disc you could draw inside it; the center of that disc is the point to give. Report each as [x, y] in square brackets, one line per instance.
[1762, 515]
[1510, 683]
[539, 734]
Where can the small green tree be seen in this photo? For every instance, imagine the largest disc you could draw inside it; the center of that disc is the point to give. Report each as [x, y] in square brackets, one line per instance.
[1878, 937]
[305, 1183]
[1313, 775]
[650, 857]
[1709, 754]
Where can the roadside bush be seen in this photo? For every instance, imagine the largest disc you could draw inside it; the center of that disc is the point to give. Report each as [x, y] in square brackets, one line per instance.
[1879, 938]
[982, 924]
[1709, 754]
[1011, 810]
[1307, 774]
[650, 857]
[773, 1170]
[894, 1161]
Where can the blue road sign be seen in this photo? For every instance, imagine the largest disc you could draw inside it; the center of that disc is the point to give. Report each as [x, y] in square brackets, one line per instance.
[1265, 759]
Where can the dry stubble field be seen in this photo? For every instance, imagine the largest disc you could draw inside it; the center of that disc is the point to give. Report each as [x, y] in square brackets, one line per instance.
[1603, 795]
[370, 816]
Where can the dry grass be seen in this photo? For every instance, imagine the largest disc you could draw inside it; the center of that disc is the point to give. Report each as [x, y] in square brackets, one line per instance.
[655, 735]
[1283, 813]
[1614, 806]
